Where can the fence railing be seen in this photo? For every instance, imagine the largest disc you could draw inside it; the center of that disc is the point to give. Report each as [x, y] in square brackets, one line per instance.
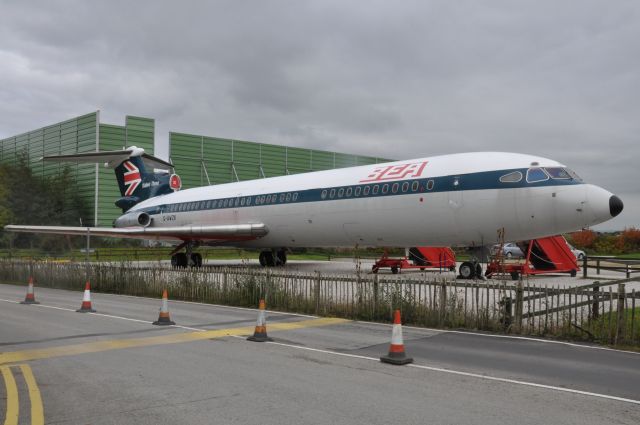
[610, 263]
[602, 311]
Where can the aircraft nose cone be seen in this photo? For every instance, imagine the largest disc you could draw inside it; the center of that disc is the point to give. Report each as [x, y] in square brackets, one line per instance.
[615, 205]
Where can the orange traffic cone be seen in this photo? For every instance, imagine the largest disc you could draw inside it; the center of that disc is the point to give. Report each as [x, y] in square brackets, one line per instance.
[396, 350]
[260, 334]
[163, 318]
[86, 300]
[30, 298]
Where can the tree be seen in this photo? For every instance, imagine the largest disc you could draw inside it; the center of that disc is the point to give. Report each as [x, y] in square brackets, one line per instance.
[28, 199]
[583, 239]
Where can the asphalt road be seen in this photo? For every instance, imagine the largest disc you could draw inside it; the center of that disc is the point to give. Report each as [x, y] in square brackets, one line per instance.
[114, 367]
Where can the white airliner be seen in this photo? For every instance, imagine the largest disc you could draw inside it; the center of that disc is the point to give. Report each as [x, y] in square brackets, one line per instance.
[449, 200]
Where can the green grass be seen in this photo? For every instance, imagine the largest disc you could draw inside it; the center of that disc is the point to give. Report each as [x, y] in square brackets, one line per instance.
[603, 327]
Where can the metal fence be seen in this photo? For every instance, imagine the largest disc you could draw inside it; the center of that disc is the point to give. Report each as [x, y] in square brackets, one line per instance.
[602, 311]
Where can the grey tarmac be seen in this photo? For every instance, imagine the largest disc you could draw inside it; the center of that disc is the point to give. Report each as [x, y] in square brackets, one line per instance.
[310, 375]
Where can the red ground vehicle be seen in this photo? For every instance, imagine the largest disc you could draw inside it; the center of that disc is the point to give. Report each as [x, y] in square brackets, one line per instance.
[420, 257]
[546, 255]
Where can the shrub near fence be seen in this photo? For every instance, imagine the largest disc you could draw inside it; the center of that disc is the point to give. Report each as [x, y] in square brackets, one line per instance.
[586, 312]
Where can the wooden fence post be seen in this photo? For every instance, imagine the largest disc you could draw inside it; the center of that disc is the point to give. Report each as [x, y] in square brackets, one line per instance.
[620, 323]
[376, 285]
[584, 266]
[519, 306]
[317, 292]
[595, 307]
[443, 303]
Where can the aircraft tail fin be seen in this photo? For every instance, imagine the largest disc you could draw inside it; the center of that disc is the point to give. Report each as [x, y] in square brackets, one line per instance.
[140, 176]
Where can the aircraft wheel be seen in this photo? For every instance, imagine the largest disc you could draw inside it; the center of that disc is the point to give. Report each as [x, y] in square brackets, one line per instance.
[196, 260]
[281, 257]
[179, 260]
[269, 261]
[515, 275]
[394, 270]
[509, 255]
[467, 271]
[574, 273]
[262, 259]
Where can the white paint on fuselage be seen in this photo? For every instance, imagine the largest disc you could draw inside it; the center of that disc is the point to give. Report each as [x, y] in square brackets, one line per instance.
[457, 217]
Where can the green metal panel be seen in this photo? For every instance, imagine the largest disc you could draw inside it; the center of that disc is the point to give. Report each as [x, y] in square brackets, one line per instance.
[70, 136]
[225, 160]
[321, 160]
[112, 137]
[217, 149]
[140, 132]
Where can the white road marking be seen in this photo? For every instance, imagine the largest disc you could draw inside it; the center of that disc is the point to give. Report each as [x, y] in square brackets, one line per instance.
[104, 315]
[461, 373]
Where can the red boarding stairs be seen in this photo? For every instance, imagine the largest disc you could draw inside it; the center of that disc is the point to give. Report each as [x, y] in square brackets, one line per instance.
[545, 255]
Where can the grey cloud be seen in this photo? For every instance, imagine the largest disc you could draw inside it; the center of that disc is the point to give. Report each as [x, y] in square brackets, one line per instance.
[415, 78]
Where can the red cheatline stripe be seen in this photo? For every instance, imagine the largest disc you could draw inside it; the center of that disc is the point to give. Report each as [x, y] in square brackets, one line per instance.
[395, 348]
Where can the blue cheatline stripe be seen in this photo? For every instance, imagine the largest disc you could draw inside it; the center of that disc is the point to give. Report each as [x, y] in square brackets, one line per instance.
[463, 182]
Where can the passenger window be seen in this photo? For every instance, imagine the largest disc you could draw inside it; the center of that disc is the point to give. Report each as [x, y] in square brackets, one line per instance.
[513, 177]
[430, 184]
[405, 187]
[375, 189]
[536, 175]
[557, 173]
[395, 187]
[415, 185]
[237, 202]
[366, 190]
[357, 191]
[242, 201]
[288, 199]
[385, 189]
[341, 192]
[349, 191]
[282, 197]
[324, 194]
[295, 197]
[332, 193]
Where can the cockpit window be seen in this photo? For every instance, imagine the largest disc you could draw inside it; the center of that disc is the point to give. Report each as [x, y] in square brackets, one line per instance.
[557, 173]
[514, 177]
[573, 174]
[536, 175]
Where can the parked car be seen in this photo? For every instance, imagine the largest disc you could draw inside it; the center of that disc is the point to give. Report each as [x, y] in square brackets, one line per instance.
[577, 252]
[509, 250]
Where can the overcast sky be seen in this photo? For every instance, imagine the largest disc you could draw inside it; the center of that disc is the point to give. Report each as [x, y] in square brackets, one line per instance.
[397, 79]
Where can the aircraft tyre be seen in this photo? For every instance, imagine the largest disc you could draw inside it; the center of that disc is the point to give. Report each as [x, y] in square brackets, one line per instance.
[394, 270]
[179, 260]
[574, 273]
[196, 260]
[281, 258]
[266, 259]
[515, 275]
[467, 270]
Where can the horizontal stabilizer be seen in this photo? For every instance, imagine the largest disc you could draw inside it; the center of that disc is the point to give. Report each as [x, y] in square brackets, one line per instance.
[112, 158]
[231, 232]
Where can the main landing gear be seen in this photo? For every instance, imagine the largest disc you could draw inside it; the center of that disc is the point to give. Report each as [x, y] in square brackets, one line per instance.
[182, 260]
[273, 258]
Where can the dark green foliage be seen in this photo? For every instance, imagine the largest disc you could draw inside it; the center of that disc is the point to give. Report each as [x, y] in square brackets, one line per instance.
[28, 199]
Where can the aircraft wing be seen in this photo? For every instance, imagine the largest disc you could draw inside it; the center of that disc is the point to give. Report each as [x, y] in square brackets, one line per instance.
[222, 233]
